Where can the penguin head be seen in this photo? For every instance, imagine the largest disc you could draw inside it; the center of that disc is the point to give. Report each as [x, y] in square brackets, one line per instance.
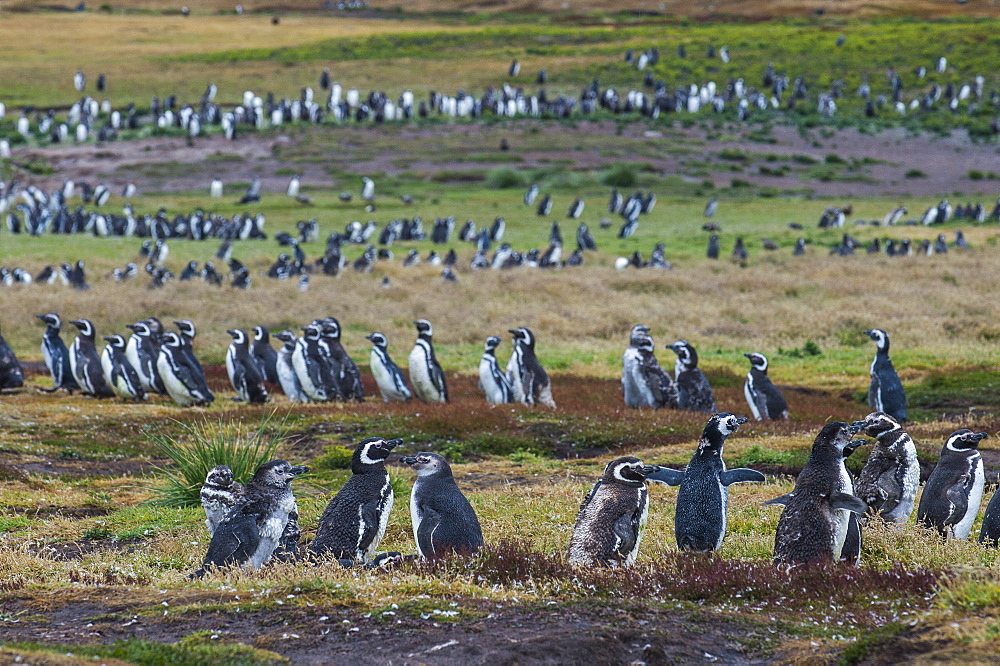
[171, 339]
[757, 361]
[276, 474]
[627, 469]
[639, 328]
[724, 423]
[311, 332]
[372, 451]
[86, 328]
[492, 343]
[51, 319]
[155, 326]
[685, 353]
[523, 336]
[239, 337]
[424, 328]
[877, 423]
[378, 339]
[836, 435]
[140, 328]
[186, 327]
[260, 334]
[427, 464]
[286, 336]
[642, 341]
[116, 341]
[880, 337]
[220, 476]
[331, 328]
[853, 446]
[963, 441]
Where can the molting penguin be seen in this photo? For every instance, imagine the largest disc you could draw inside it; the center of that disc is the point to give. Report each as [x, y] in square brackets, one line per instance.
[528, 378]
[889, 480]
[254, 527]
[353, 524]
[243, 372]
[264, 355]
[286, 372]
[443, 519]
[644, 382]
[703, 498]
[811, 527]
[118, 372]
[492, 380]
[219, 495]
[389, 378]
[764, 398]
[184, 381]
[56, 354]
[693, 390]
[11, 374]
[885, 394]
[954, 490]
[425, 372]
[609, 526]
[85, 363]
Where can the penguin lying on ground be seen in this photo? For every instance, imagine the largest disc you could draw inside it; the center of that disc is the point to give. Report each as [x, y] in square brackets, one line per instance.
[889, 480]
[954, 490]
[443, 519]
[219, 495]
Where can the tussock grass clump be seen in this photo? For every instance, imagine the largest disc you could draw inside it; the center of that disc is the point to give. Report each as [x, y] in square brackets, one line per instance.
[504, 179]
[207, 444]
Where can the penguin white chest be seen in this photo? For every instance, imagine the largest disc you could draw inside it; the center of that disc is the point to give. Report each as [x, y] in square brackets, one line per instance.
[964, 526]
[416, 517]
[420, 375]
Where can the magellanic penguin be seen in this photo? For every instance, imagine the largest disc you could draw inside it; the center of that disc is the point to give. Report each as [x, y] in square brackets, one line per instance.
[764, 398]
[693, 390]
[889, 480]
[811, 528]
[56, 354]
[703, 498]
[287, 378]
[184, 381]
[118, 372]
[389, 378]
[11, 374]
[644, 382]
[426, 375]
[954, 490]
[142, 353]
[219, 495]
[264, 355]
[353, 524]
[492, 380]
[187, 335]
[310, 366]
[243, 372]
[347, 375]
[528, 378]
[85, 363]
[443, 519]
[611, 519]
[252, 530]
[850, 551]
[990, 533]
[885, 394]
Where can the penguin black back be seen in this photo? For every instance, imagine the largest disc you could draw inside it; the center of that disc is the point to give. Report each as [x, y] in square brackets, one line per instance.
[443, 519]
[264, 354]
[885, 393]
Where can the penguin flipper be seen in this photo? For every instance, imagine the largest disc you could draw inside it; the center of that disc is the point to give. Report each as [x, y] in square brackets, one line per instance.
[430, 520]
[958, 498]
[370, 519]
[740, 475]
[851, 550]
[626, 531]
[848, 503]
[779, 501]
[760, 400]
[671, 477]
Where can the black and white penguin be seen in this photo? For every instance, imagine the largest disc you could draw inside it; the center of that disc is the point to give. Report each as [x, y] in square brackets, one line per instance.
[187, 334]
[644, 382]
[347, 375]
[713, 247]
[142, 353]
[287, 378]
[85, 363]
[954, 490]
[611, 519]
[850, 551]
[885, 394]
[354, 522]
[492, 380]
[56, 354]
[310, 366]
[703, 498]
[389, 378]
[252, 530]
[182, 379]
[693, 390]
[811, 527]
[243, 372]
[118, 372]
[219, 495]
[764, 398]
[889, 480]
[443, 519]
[264, 355]
[990, 533]
[426, 375]
[528, 379]
[11, 373]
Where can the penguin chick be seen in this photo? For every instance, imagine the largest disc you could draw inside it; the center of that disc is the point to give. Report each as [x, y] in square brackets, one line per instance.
[889, 480]
[219, 495]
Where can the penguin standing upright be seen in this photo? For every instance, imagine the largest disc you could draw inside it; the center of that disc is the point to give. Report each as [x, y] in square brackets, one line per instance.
[187, 335]
[85, 363]
[56, 354]
[954, 490]
[810, 527]
[492, 380]
[426, 375]
[11, 374]
[990, 532]
[527, 376]
[252, 530]
[889, 480]
[443, 519]
[703, 498]
[693, 390]
[183, 380]
[850, 550]
[644, 382]
[219, 495]
[885, 394]
[264, 355]
[118, 372]
[142, 353]
[243, 372]
[611, 519]
[287, 378]
[354, 522]
[348, 377]
[765, 399]
[389, 378]
[309, 365]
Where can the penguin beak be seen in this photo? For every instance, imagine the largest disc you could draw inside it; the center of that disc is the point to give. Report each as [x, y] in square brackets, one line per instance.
[232, 333]
[368, 337]
[856, 427]
[297, 471]
[978, 437]
[649, 469]
[748, 355]
[740, 420]
[109, 338]
[392, 443]
[42, 317]
[408, 460]
[77, 323]
[868, 333]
